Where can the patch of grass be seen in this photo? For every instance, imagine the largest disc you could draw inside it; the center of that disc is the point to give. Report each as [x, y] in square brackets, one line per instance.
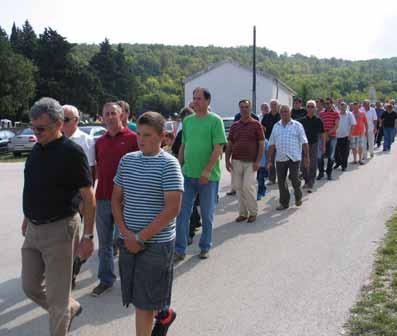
[376, 311]
[9, 157]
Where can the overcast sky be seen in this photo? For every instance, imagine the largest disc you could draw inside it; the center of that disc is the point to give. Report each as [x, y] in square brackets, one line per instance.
[348, 29]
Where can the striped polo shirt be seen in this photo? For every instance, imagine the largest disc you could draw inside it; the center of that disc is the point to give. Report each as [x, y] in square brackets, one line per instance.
[329, 119]
[245, 137]
[144, 180]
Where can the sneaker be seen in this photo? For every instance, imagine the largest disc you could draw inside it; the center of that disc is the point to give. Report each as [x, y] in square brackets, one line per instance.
[178, 257]
[101, 289]
[204, 254]
[73, 315]
[161, 326]
[231, 193]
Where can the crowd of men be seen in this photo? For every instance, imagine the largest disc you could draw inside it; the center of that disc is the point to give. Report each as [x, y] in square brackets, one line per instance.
[148, 200]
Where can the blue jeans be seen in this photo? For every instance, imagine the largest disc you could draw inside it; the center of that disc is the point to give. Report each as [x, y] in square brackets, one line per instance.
[105, 229]
[329, 154]
[208, 201]
[388, 134]
[261, 177]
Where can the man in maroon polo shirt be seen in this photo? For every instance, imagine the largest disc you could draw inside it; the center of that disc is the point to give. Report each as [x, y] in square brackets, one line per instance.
[245, 148]
[109, 149]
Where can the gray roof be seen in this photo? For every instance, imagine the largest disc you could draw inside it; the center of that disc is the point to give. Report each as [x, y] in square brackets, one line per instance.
[258, 73]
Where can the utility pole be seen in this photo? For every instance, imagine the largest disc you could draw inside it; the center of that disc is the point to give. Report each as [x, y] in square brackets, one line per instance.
[254, 74]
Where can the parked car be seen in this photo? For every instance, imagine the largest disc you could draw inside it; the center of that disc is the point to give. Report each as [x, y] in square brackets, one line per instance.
[5, 138]
[170, 127]
[95, 131]
[23, 142]
[228, 122]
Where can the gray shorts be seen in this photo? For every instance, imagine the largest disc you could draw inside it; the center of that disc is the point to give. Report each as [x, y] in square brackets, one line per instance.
[357, 142]
[146, 277]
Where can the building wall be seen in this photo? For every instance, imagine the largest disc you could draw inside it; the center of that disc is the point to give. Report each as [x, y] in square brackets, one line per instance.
[229, 83]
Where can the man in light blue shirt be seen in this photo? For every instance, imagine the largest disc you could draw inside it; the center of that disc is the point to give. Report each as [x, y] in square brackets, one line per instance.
[287, 139]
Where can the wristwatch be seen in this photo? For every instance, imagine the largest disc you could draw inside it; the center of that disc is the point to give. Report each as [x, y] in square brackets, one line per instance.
[88, 236]
[139, 240]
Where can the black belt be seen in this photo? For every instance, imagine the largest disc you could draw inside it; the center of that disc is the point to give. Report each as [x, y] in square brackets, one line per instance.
[47, 221]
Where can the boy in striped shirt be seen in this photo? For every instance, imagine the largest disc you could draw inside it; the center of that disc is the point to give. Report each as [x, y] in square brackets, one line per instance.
[146, 199]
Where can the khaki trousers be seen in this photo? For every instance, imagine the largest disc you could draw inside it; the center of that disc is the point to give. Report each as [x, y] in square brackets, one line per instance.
[244, 182]
[47, 261]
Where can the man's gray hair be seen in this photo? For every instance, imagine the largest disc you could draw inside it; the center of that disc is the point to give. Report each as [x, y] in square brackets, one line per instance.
[48, 106]
[73, 109]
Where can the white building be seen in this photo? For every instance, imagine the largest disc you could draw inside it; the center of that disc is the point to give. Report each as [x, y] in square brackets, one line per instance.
[229, 82]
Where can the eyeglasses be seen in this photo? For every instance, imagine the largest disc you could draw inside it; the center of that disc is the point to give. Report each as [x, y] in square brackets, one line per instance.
[40, 129]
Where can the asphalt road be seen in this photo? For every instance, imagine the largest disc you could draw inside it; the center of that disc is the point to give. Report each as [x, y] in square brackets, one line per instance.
[295, 272]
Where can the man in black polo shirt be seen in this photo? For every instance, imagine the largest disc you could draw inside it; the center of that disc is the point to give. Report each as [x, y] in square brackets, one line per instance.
[314, 129]
[55, 172]
[268, 121]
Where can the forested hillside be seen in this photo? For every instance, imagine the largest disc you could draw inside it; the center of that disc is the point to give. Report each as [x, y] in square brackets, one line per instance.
[151, 76]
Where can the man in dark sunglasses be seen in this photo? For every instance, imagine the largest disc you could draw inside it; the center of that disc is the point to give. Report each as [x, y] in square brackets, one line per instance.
[55, 172]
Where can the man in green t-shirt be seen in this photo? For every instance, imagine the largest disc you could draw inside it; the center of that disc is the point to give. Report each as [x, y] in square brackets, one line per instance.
[203, 139]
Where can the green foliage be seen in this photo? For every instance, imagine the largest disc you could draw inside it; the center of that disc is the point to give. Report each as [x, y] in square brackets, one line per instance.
[152, 76]
[16, 86]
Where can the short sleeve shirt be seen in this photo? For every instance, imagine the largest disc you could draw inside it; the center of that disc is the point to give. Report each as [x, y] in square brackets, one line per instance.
[108, 151]
[346, 122]
[54, 173]
[313, 128]
[371, 118]
[389, 119]
[288, 140]
[87, 143]
[245, 138]
[200, 135]
[359, 128]
[329, 119]
[144, 181]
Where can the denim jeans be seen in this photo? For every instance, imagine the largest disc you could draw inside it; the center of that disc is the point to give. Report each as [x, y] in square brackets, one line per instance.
[208, 201]
[388, 133]
[261, 177]
[330, 155]
[105, 228]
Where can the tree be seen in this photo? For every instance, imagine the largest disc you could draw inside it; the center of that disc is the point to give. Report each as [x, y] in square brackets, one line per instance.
[16, 38]
[29, 41]
[17, 87]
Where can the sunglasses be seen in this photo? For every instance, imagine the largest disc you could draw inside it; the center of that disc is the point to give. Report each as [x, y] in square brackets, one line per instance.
[67, 119]
[40, 129]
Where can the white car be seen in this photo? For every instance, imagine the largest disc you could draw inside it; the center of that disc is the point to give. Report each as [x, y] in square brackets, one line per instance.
[94, 131]
[23, 142]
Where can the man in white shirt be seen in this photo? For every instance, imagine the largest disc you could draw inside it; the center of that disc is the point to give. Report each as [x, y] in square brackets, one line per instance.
[287, 140]
[71, 130]
[372, 118]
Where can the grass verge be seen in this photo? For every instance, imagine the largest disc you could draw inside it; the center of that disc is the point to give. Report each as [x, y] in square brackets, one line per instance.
[376, 311]
[9, 157]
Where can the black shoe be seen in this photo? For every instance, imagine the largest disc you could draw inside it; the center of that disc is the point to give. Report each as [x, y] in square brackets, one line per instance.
[319, 177]
[161, 326]
[343, 169]
[281, 207]
[329, 177]
[231, 193]
[336, 166]
[77, 313]
[101, 289]
[204, 255]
